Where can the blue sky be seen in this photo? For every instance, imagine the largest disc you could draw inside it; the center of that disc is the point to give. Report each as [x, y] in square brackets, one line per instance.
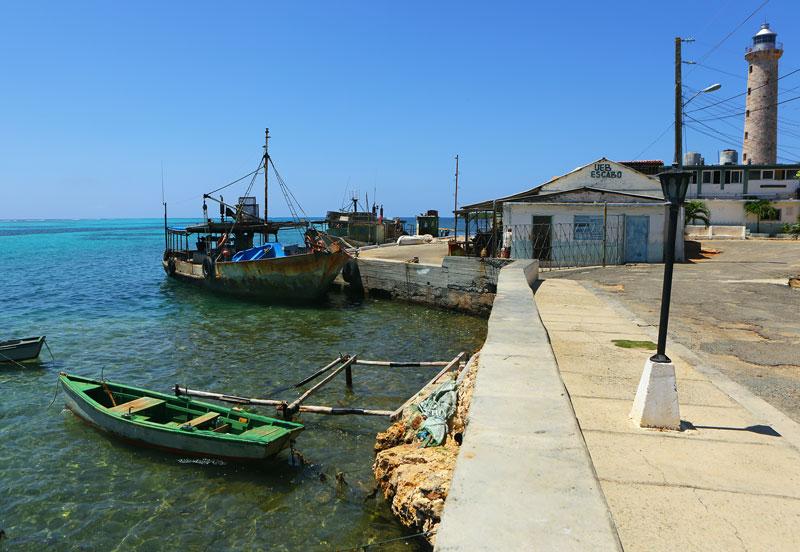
[357, 95]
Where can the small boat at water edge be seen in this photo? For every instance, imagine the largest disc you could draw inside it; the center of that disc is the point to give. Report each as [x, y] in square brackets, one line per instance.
[176, 424]
[234, 254]
[15, 350]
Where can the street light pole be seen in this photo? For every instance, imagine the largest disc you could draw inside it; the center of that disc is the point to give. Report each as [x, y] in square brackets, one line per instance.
[682, 181]
[656, 402]
[676, 161]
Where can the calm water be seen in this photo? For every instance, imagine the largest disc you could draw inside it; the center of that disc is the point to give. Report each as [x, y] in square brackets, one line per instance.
[97, 290]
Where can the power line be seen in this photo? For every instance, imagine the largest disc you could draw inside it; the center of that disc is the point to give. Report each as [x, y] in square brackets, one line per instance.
[745, 93]
[751, 110]
[746, 19]
[654, 141]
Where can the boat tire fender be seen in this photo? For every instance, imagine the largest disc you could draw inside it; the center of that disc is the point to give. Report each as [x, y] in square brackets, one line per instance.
[350, 272]
[208, 268]
[170, 267]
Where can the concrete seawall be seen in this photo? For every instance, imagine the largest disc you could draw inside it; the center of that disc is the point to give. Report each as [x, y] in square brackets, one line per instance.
[461, 283]
[524, 478]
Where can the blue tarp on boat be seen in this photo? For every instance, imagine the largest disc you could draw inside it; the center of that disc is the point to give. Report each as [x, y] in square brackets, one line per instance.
[266, 251]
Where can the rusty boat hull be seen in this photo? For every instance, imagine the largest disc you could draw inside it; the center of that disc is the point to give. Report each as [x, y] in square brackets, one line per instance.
[301, 277]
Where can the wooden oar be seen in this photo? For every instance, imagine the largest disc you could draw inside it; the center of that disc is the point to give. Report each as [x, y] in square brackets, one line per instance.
[113, 402]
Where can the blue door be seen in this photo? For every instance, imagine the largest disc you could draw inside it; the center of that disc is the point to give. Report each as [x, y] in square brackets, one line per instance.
[637, 230]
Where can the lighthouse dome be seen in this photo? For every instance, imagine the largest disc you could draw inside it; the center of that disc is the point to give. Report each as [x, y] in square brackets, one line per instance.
[764, 35]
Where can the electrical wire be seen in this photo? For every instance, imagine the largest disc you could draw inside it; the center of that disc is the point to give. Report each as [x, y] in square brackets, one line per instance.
[671, 125]
[746, 19]
[745, 93]
[739, 114]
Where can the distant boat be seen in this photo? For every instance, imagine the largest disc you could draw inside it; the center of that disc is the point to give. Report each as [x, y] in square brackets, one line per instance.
[175, 424]
[359, 228]
[223, 255]
[15, 350]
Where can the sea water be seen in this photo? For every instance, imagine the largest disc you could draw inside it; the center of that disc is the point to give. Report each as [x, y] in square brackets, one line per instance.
[97, 290]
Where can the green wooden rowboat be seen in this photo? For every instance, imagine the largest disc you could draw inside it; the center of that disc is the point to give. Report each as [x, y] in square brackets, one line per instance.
[177, 424]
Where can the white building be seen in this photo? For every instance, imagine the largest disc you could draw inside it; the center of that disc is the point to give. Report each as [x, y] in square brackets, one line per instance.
[727, 187]
[601, 213]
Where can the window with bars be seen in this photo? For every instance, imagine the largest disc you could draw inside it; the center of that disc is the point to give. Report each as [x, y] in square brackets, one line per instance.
[733, 177]
[711, 177]
[587, 228]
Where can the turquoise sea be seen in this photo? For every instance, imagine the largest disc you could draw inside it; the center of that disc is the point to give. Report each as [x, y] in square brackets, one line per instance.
[97, 290]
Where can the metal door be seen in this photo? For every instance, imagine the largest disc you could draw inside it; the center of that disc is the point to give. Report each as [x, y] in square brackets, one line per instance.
[637, 230]
[541, 237]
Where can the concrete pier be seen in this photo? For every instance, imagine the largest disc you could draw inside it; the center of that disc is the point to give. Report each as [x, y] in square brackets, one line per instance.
[552, 461]
[425, 274]
[524, 478]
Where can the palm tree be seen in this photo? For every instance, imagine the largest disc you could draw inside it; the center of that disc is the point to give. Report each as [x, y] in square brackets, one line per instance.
[697, 210]
[794, 230]
[761, 209]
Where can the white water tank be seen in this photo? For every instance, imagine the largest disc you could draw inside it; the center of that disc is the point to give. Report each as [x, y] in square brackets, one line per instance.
[728, 157]
[691, 158]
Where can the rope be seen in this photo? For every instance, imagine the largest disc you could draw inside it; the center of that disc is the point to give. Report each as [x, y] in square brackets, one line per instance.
[288, 195]
[54, 395]
[235, 181]
[239, 211]
[340, 482]
[49, 351]
[9, 359]
[381, 543]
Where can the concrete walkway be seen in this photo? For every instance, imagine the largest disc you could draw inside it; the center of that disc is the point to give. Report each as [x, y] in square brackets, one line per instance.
[524, 479]
[729, 481]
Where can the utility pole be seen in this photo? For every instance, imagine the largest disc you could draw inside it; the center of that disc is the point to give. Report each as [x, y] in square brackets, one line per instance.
[266, 173]
[677, 162]
[455, 207]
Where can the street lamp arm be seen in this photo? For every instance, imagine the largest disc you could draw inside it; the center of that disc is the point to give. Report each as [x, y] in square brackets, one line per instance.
[704, 90]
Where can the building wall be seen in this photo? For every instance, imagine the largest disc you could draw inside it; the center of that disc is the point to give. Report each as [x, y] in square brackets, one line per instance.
[607, 175]
[744, 180]
[730, 212]
[521, 214]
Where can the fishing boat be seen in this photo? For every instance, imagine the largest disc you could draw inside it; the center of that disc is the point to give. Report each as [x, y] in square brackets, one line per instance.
[364, 227]
[235, 255]
[15, 350]
[176, 424]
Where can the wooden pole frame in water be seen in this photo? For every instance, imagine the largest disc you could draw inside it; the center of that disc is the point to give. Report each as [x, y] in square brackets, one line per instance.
[336, 411]
[322, 370]
[394, 364]
[345, 363]
[293, 407]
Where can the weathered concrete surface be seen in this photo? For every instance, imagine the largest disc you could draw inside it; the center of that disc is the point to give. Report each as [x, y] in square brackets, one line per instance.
[461, 283]
[656, 401]
[734, 310]
[729, 481]
[523, 479]
[428, 253]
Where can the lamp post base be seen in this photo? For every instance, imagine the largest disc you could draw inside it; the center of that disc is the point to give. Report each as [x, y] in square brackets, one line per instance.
[656, 402]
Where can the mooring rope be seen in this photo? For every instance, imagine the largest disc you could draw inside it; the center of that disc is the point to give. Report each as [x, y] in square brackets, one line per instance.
[381, 543]
[54, 395]
[48, 350]
[340, 485]
[9, 359]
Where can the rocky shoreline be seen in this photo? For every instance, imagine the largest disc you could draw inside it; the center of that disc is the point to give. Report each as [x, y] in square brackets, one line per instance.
[416, 479]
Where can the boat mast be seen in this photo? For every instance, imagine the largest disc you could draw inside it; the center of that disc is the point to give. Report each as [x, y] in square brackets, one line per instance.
[266, 173]
[455, 208]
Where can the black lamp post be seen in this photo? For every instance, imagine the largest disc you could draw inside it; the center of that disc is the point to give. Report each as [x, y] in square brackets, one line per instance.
[674, 183]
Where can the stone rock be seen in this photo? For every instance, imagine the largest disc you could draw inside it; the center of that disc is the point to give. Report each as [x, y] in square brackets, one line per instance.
[416, 480]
